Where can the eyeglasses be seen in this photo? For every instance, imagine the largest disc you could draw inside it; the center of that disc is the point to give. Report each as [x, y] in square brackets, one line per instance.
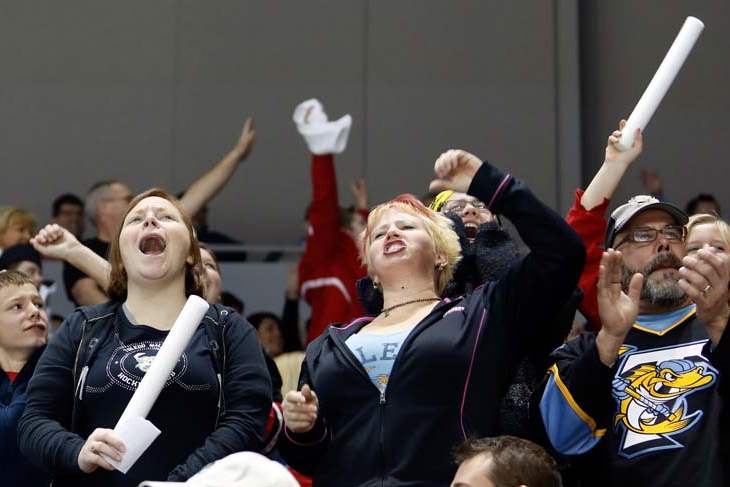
[460, 205]
[644, 235]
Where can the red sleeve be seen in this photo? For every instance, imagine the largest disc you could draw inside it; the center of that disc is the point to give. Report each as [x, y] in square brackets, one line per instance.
[591, 227]
[324, 212]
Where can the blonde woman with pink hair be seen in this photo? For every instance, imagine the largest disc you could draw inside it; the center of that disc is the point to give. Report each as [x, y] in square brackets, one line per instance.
[383, 400]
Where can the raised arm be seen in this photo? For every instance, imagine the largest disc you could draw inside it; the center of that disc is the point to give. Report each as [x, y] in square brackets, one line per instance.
[324, 211]
[211, 182]
[324, 139]
[576, 403]
[609, 175]
[588, 216]
[538, 285]
[55, 242]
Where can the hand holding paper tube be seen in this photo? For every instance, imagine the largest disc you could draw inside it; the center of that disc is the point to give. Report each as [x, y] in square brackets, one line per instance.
[154, 381]
[662, 80]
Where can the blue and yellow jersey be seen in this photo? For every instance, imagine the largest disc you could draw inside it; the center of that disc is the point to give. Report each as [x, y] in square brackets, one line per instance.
[653, 418]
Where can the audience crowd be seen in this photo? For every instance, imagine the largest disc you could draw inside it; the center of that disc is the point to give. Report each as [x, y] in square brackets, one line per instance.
[437, 351]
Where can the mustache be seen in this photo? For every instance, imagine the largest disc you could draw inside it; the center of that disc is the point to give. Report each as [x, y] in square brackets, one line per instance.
[662, 261]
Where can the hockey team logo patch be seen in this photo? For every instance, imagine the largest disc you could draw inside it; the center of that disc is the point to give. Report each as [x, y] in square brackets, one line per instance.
[129, 363]
[651, 388]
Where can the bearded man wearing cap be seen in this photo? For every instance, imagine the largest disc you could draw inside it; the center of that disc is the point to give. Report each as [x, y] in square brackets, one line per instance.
[640, 402]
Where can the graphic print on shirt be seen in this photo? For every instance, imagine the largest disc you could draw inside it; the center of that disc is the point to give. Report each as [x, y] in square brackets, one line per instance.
[129, 363]
[378, 363]
[651, 388]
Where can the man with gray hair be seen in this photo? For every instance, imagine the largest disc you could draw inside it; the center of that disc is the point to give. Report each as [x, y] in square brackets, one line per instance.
[107, 200]
[641, 402]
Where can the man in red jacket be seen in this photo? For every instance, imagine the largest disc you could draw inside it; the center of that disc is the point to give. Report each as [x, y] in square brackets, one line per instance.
[331, 263]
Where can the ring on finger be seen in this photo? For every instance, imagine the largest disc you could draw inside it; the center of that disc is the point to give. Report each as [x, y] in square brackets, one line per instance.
[707, 289]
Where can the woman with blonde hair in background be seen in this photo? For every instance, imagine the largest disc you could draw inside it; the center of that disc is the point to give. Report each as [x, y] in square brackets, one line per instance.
[17, 226]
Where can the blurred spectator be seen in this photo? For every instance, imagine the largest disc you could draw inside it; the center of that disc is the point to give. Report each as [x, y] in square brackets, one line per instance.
[203, 231]
[331, 265]
[207, 235]
[268, 327]
[652, 183]
[68, 211]
[703, 203]
[107, 201]
[23, 258]
[17, 226]
[504, 461]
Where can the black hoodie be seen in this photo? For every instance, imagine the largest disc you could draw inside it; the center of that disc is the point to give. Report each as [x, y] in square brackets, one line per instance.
[451, 371]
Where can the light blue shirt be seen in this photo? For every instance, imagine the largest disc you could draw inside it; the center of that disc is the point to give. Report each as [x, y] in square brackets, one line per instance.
[377, 353]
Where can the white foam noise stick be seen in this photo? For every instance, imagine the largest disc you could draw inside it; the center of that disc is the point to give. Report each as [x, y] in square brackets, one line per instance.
[172, 348]
[662, 80]
[136, 432]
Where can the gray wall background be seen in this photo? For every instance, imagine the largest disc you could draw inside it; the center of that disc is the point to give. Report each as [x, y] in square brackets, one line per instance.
[154, 93]
[622, 45]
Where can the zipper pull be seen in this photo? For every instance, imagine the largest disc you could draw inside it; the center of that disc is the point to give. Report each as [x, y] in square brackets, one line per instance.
[82, 381]
[382, 397]
[220, 390]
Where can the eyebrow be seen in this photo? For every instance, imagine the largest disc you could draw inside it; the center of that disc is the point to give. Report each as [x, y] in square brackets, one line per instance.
[397, 222]
[712, 242]
[156, 209]
[465, 198]
[23, 297]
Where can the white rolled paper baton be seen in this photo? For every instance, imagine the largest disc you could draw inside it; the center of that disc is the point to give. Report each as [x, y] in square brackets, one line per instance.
[662, 80]
[136, 432]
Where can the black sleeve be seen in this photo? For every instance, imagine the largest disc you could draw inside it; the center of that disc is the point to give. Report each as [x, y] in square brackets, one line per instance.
[303, 451]
[537, 286]
[43, 435]
[720, 359]
[71, 275]
[247, 401]
[274, 375]
[574, 401]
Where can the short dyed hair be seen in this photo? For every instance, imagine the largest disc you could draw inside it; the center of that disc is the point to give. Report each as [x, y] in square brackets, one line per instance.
[194, 274]
[512, 461]
[440, 228]
[10, 215]
[706, 219]
[14, 278]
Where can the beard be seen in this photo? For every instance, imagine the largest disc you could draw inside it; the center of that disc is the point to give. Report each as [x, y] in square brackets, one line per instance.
[663, 292]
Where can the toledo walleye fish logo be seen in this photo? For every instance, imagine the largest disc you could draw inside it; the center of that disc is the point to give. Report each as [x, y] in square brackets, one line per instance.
[651, 389]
